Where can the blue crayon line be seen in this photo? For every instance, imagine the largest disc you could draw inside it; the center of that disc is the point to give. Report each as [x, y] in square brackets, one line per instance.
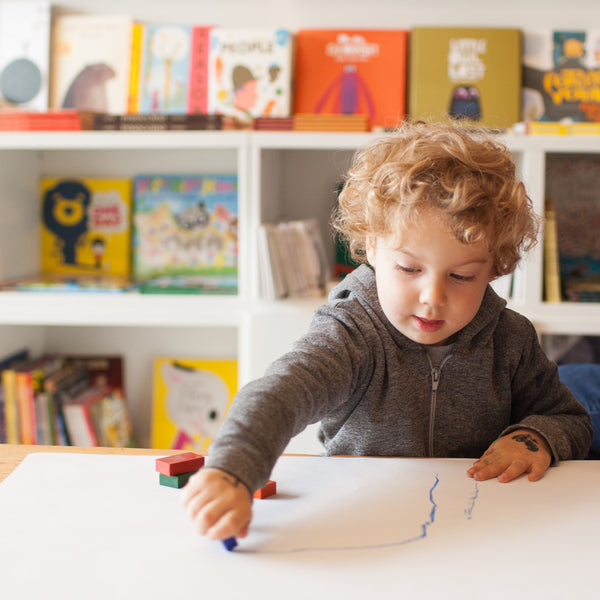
[424, 530]
[469, 509]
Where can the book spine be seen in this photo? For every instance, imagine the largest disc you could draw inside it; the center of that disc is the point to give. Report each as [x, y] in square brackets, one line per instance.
[11, 410]
[551, 259]
[198, 75]
[25, 399]
[133, 98]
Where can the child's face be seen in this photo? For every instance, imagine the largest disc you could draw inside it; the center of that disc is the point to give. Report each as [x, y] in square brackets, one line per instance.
[432, 286]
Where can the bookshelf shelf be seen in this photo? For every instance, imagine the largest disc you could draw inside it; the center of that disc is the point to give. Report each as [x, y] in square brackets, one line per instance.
[22, 308]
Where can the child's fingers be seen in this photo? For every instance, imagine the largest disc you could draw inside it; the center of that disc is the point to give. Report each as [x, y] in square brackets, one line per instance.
[233, 523]
[537, 471]
[515, 469]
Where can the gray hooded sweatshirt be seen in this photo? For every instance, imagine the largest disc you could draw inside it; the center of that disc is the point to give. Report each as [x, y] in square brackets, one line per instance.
[377, 393]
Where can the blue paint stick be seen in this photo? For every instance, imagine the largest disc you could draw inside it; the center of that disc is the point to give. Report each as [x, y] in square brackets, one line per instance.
[230, 543]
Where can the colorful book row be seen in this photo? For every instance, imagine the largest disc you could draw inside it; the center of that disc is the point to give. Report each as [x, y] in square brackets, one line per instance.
[114, 64]
[63, 400]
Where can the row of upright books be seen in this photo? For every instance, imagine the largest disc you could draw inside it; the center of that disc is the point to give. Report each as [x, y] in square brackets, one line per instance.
[118, 65]
[63, 400]
[153, 233]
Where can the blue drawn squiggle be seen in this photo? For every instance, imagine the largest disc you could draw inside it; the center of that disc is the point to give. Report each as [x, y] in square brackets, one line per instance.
[424, 529]
[473, 499]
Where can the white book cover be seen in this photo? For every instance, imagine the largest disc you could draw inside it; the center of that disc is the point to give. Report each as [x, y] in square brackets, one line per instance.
[91, 62]
[25, 54]
[250, 72]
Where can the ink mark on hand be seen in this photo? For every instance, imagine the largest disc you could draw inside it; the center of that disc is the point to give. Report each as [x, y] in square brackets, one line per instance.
[530, 442]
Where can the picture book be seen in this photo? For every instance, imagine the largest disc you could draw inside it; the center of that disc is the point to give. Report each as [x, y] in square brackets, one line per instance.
[472, 75]
[352, 71]
[25, 54]
[184, 225]
[8, 407]
[164, 68]
[102, 369]
[190, 400]
[561, 75]
[250, 72]
[90, 62]
[85, 226]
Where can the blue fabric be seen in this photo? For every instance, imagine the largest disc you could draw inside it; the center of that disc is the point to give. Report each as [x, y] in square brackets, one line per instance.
[583, 379]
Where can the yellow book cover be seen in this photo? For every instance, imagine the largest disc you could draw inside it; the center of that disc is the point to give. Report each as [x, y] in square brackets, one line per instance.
[470, 74]
[190, 399]
[86, 226]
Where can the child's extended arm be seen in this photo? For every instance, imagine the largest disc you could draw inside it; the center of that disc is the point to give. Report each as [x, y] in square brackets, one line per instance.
[518, 452]
[219, 505]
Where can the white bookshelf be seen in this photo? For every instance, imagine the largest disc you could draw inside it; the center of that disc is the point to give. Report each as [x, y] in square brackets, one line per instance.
[281, 175]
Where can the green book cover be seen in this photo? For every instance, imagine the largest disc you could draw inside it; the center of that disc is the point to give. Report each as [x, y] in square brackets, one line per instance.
[468, 74]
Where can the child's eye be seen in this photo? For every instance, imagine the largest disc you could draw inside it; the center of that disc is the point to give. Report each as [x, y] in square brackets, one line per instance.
[462, 277]
[406, 269]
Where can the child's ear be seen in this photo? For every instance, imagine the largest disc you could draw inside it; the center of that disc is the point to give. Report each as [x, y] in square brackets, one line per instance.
[370, 248]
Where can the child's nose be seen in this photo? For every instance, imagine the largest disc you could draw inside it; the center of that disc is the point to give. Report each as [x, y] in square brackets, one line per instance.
[433, 293]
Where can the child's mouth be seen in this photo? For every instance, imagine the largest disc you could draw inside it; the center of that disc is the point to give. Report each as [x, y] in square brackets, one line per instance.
[428, 325]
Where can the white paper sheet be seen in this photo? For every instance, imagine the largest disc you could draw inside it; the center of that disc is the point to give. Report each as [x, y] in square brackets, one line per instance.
[76, 526]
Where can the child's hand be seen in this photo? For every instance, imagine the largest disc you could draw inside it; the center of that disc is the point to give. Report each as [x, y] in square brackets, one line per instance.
[521, 451]
[219, 504]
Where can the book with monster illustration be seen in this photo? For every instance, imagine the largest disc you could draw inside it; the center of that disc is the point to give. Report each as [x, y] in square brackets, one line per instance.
[352, 72]
[470, 75]
[185, 226]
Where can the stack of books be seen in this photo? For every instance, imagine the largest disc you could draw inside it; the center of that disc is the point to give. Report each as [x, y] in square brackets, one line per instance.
[292, 260]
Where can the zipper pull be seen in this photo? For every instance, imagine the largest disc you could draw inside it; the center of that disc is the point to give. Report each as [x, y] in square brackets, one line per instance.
[435, 377]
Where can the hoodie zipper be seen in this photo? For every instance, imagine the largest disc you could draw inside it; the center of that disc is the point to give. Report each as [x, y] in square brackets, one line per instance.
[435, 381]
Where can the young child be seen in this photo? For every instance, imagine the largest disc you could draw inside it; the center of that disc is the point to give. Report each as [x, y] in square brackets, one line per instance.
[414, 354]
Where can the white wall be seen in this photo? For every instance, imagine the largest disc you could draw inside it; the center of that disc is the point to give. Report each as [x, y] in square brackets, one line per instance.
[294, 14]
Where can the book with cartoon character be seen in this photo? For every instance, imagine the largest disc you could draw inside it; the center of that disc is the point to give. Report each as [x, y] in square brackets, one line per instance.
[470, 74]
[190, 399]
[352, 72]
[85, 226]
[185, 225]
[250, 72]
[90, 62]
[561, 75]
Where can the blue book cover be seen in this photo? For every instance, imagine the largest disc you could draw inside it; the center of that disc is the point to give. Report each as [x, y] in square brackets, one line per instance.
[165, 69]
[185, 225]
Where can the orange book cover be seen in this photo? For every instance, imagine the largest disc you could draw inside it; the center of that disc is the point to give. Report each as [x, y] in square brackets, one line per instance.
[352, 71]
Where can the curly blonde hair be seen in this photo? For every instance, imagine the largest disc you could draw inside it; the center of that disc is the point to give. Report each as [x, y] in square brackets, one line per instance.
[466, 175]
